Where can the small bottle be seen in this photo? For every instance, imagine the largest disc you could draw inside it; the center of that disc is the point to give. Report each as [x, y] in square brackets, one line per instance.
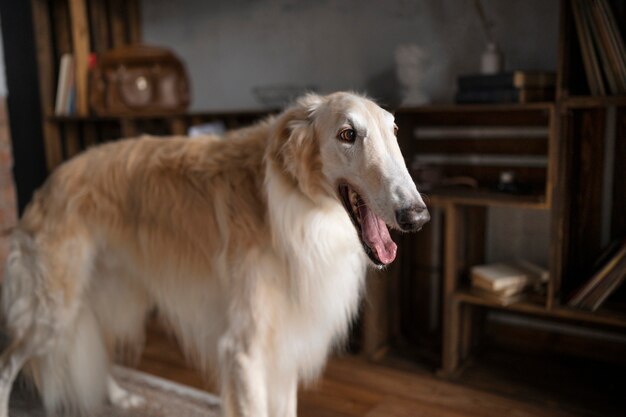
[491, 61]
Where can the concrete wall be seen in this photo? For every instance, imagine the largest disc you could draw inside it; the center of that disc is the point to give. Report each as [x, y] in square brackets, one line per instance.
[231, 46]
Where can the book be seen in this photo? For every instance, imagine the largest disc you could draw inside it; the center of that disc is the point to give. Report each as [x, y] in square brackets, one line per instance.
[511, 95]
[598, 36]
[508, 80]
[498, 277]
[612, 41]
[507, 279]
[615, 36]
[587, 48]
[64, 85]
[608, 285]
[606, 272]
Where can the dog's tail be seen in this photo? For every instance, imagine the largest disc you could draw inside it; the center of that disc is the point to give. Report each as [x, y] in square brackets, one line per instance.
[56, 341]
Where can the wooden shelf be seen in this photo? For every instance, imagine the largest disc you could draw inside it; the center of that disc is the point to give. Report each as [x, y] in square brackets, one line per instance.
[593, 102]
[170, 115]
[472, 197]
[533, 305]
[469, 108]
[536, 305]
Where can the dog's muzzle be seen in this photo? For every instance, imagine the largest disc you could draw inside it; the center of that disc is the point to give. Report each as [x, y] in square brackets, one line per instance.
[412, 219]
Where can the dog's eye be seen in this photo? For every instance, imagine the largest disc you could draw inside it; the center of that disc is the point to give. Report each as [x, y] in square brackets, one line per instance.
[347, 135]
[395, 130]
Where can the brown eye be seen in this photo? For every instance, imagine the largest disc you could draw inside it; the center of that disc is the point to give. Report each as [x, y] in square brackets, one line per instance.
[395, 130]
[347, 135]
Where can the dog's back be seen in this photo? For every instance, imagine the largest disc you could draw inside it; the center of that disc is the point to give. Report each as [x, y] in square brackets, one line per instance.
[72, 294]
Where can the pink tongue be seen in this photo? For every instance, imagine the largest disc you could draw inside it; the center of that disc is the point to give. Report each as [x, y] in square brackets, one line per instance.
[376, 235]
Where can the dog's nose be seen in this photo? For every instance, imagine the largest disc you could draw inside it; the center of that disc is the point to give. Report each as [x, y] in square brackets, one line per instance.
[411, 219]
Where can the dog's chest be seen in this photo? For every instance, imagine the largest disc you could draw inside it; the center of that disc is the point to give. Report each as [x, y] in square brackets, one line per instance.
[325, 267]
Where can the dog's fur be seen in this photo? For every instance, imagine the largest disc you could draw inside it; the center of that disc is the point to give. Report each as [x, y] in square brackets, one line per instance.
[241, 242]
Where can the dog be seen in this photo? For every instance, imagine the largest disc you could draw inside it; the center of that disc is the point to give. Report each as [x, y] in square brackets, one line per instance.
[253, 247]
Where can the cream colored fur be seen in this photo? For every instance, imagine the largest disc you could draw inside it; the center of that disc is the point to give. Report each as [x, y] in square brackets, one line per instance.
[241, 243]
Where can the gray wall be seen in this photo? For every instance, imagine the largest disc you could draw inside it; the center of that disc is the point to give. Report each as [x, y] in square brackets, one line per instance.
[231, 46]
[518, 234]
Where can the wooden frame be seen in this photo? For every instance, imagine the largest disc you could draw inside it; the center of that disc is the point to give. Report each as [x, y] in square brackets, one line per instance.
[573, 196]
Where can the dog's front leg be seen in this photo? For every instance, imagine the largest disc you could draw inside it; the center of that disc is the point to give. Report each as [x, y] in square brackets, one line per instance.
[242, 376]
[283, 394]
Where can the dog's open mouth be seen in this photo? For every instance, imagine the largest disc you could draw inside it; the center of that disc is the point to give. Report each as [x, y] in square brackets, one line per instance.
[371, 229]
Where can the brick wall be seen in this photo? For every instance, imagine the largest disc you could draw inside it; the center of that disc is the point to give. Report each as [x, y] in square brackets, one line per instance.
[8, 202]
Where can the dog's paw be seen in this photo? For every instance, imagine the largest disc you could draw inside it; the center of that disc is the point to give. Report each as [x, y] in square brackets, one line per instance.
[129, 401]
[123, 399]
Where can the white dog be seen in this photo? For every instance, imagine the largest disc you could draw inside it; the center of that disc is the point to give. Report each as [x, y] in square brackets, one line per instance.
[254, 249]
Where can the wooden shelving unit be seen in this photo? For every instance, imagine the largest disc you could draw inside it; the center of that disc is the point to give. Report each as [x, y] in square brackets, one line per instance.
[573, 194]
[82, 27]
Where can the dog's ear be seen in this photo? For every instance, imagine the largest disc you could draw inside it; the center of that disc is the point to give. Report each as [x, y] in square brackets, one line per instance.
[310, 103]
[294, 144]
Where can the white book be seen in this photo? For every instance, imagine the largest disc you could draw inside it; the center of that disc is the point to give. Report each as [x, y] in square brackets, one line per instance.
[66, 68]
[499, 277]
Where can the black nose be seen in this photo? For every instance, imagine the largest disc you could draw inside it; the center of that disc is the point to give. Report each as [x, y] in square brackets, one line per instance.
[411, 219]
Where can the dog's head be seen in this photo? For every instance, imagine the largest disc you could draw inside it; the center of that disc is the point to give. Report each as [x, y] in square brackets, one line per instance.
[345, 146]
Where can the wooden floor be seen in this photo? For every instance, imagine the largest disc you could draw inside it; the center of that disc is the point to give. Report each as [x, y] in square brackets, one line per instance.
[354, 387]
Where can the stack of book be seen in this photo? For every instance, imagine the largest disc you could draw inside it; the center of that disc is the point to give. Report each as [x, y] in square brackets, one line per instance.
[65, 103]
[611, 273]
[601, 46]
[507, 87]
[505, 283]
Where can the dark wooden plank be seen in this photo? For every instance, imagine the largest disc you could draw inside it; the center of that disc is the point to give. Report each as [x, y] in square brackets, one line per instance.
[583, 102]
[487, 177]
[561, 205]
[376, 314]
[564, 50]
[480, 197]
[478, 115]
[117, 21]
[451, 307]
[517, 146]
[90, 135]
[72, 140]
[99, 24]
[419, 281]
[62, 29]
[177, 125]
[47, 81]
[134, 21]
[129, 128]
[618, 223]
[586, 202]
[552, 178]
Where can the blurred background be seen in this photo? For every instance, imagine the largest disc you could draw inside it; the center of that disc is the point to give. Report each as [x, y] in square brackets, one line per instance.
[512, 118]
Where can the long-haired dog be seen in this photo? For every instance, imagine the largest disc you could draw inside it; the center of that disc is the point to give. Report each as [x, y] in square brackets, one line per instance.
[252, 247]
